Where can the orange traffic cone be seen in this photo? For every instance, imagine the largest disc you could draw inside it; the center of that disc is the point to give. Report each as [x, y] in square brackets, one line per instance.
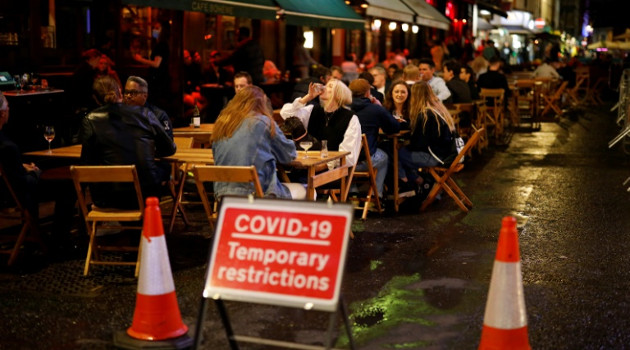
[157, 315]
[505, 320]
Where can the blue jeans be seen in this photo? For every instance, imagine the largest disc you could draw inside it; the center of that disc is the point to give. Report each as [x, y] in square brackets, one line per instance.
[409, 162]
[379, 161]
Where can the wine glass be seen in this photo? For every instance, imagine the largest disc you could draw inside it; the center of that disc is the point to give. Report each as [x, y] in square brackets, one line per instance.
[49, 135]
[306, 145]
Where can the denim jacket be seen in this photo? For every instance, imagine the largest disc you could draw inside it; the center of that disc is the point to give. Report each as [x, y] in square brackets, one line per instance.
[252, 144]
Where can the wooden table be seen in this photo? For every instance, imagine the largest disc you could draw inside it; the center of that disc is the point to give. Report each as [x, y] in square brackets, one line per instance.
[201, 134]
[204, 156]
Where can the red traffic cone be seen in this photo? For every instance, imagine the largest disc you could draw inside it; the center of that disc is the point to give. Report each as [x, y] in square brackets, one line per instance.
[505, 320]
[157, 315]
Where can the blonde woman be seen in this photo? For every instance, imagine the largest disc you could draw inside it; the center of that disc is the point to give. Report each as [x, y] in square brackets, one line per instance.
[330, 120]
[432, 129]
[246, 134]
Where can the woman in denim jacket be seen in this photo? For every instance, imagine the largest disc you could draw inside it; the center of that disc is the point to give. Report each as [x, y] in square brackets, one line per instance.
[245, 134]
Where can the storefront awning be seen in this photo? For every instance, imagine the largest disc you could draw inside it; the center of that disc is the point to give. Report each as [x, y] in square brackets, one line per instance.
[321, 13]
[491, 8]
[427, 15]
[258, 9]
[390, 9]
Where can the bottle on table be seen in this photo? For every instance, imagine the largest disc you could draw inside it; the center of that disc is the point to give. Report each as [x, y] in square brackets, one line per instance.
[196, 118]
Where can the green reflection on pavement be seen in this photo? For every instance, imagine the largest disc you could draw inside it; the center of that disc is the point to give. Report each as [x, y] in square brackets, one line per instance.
[374, 264]
[395, 304]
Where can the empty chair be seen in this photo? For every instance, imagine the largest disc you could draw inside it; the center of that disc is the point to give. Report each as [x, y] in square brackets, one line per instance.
[95, 217]
[495, 109]
[369, 176]
[218, 173]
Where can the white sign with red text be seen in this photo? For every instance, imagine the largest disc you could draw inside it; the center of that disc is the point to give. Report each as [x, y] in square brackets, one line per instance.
[279, 252]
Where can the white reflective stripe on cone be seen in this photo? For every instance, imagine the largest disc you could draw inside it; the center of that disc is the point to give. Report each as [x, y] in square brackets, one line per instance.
[505, 308]
[155, 269]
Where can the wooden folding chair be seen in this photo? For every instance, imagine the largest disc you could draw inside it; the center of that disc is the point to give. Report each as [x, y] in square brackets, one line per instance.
[479, 122]
[18, 213]
[219, 173]
[495, 110]
[444, 181]
[368, 175]
[552, 101]
[95, 217]
[525, 100]
[176, 184]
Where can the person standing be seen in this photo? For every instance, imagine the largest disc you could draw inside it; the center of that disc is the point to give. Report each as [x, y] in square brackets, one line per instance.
[248, 57]
[302, 60]
[119, 134]
[158, 62]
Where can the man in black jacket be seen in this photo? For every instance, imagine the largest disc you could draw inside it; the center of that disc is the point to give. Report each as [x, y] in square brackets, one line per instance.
[372, 116]
[460, 93]
[119, 134]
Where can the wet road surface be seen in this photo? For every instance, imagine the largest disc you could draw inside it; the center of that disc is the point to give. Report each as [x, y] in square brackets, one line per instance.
[412, 281]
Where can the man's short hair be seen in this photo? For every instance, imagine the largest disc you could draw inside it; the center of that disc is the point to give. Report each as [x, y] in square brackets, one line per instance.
[495, 59]
[380, 69]
[468, 70]
[336, 68]
[359, 87]
[319, 71]
[453, 66]
[245, 75]
[367, 76]
[427, 61]
[141, 82]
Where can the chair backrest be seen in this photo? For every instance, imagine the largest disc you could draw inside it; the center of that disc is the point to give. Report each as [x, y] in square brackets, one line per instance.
[472, 141]
[104, 173]
[493, 97]
[184, 142]
[222, 173]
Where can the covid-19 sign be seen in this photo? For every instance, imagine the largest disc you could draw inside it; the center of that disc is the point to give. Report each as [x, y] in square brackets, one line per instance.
[279, 252]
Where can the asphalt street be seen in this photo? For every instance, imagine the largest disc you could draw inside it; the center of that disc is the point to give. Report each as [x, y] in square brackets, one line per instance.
[412, 280]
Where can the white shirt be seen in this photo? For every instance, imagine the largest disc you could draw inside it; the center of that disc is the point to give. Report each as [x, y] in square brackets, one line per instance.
[351, 138]
[438, 85]
[546, 71]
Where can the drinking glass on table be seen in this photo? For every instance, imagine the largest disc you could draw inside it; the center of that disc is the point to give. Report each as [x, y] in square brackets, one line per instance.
[306, 145]
[49, 135]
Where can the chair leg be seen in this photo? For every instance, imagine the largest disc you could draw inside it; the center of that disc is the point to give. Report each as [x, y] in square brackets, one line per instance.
[18, 243]
[177, 204]
[460, 193]
[88, 259]
[456, 198]
[435, 190]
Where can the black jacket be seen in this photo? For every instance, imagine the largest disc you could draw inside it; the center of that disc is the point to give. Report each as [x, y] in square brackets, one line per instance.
[372, 118]
[119, 134]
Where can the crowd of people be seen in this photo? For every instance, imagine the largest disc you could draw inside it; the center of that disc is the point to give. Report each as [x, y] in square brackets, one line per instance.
[125, 123]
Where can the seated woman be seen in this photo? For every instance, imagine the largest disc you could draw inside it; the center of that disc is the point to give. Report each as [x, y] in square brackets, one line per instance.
[397, 102]
[330, 120]
[246, 134]
[431, 138]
